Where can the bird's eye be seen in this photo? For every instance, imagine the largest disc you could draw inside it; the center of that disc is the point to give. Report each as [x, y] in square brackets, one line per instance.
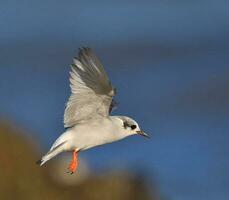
[133, 127]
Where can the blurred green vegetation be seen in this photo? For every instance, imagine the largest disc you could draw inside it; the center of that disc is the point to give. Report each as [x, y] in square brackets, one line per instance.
[21, 178]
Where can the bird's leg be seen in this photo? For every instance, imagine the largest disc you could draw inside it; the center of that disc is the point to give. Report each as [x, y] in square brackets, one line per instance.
[74, 163]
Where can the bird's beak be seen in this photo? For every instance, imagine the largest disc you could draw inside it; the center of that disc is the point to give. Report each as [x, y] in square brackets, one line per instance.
[142, 133]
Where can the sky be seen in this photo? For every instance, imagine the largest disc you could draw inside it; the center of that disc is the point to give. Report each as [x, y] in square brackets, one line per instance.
[169, 62]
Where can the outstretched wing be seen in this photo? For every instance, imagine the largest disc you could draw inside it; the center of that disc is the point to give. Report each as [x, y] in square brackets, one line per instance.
[91, 89]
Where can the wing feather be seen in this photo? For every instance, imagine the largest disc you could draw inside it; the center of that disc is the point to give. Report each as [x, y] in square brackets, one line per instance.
[91, 89]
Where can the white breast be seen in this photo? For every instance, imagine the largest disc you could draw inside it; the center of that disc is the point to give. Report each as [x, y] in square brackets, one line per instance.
[94, 133]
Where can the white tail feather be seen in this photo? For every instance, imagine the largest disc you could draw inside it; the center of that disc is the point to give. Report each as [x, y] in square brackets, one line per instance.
[50, 155]
[58, 147]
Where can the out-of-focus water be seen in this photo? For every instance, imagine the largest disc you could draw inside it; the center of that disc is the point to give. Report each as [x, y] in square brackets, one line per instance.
[169, 62]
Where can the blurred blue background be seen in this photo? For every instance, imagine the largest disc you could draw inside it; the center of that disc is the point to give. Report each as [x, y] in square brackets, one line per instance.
[169, 61]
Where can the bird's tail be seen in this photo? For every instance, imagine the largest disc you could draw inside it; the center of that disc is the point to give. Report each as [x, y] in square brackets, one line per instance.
[58, 147]
[53, 152]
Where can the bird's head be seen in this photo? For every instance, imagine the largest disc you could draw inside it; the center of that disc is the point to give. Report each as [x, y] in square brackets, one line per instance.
[130, 127]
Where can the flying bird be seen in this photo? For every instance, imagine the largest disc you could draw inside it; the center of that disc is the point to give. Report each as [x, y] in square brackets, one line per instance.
[87, 116]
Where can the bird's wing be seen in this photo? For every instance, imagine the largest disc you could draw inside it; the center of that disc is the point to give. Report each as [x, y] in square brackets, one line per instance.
[91, 89]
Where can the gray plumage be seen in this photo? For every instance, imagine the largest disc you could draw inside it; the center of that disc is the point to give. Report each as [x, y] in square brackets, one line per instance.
[86, 116]
[91, 89]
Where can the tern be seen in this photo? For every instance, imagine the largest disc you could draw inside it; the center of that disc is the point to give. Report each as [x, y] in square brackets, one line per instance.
[87, 116]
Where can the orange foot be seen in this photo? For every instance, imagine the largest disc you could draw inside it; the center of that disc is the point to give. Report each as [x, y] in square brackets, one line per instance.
[74, 163]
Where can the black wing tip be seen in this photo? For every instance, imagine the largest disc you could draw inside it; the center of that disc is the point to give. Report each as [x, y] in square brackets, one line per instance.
[114, 104]
[39, 162]
[84, 50]
[86, 54]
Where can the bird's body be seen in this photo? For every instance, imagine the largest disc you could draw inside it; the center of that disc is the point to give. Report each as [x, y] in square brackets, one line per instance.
[87, 120]
[98, 132]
